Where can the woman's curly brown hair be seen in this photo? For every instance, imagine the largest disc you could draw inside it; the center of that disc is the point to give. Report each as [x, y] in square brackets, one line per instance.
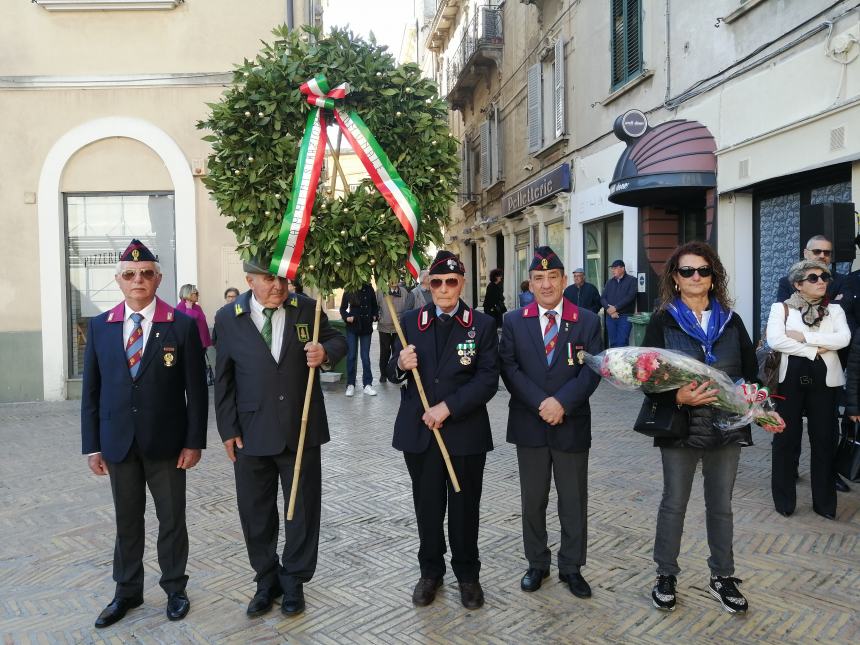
[719, 279]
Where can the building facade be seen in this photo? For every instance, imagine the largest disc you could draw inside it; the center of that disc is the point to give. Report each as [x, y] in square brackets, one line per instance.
[98, 105]
[620, 128]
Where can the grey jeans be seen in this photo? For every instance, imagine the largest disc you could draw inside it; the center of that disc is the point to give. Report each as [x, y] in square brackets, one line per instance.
[719, 468]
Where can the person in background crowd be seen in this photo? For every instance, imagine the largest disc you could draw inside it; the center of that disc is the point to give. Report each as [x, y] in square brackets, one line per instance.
[494, 297]
[619, 301]
[455, 350]
[295, 285]
[144, 405]
[549, 418]
[526, 296]
[421, 294]
[230, 295]
[841, 290]
[359, 310]
[696, 319]
[583, 294]
[403, 301]
[188, 297]
[807, 331]
[261, 373]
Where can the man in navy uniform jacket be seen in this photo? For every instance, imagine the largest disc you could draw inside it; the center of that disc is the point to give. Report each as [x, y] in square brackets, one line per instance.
[261, 375]
[143, 421]
[549, 418]
[455, 351]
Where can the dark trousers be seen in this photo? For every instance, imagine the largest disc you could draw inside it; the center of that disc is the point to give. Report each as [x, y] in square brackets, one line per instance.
[431, 490]
[618, 330]
[353, 343]
[806, 394]
[570, 469]
[128, 482]
[257, 498]
[386, 345]
[719, 471]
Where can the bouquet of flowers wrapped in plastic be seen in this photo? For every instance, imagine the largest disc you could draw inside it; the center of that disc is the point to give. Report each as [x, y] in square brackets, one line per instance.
[651, 370]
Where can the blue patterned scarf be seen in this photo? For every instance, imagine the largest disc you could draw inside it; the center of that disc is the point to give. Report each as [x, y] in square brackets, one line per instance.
[687, 321]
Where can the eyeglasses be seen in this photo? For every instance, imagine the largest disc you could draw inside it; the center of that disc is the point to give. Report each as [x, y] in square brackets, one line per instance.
[436, 283]
[817, 252]
[129, 274]
[687, 272]
[812, 278]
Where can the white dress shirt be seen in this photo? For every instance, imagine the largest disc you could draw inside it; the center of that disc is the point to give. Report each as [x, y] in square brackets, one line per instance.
[278, 321]
[148, 312]
[544, 320]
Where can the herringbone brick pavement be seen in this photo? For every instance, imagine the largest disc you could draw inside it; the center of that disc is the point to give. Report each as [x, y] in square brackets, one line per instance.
[56, 537]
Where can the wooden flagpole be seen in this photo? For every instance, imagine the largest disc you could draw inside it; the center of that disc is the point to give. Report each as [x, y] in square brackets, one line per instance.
[297, 469]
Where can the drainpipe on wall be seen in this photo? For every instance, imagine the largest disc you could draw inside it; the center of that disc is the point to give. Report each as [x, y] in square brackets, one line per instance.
[290, 19]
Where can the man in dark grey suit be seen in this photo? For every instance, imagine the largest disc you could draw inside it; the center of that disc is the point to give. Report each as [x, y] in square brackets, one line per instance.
[264, 356]
[549, 418]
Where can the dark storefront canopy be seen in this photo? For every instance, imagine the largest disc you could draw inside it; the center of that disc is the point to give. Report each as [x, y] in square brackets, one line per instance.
[671, 164]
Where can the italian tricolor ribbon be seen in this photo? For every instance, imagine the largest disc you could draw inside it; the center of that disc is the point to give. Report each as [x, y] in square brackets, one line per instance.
[294, 228]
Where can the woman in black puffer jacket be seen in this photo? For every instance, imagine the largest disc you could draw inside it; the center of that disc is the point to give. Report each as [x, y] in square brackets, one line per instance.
[695, 318]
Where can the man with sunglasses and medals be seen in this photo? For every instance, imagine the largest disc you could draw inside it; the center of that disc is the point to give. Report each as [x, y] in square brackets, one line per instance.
[455, 350]
[549, 418]
[820, 249]
[144, 408]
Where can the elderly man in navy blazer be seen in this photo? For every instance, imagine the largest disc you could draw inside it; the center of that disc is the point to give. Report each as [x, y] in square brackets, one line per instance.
[549, 418]
[261, 374]
[455, 351]
[143, 422]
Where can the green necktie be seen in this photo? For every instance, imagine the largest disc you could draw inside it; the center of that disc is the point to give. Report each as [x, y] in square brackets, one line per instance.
[268, 312]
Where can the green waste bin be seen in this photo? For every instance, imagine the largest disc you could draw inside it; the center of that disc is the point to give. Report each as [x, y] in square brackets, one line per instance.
[640, 322]
[340, 368]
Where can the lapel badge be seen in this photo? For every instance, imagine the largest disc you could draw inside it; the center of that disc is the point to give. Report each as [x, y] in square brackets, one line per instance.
[168, 356]
[110, 317]
[471, 333]
[157, 334]
[294, 302]
[424, 318]
[238, 309]
[303, 332]
[169, 316]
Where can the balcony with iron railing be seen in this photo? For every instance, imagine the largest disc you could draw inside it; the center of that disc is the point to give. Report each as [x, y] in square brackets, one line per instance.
[443, 22]
[479, 50]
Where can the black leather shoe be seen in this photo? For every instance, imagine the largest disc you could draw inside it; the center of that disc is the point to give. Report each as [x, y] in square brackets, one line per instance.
[117, 610]
[533, 579]
[425, 591]
[841, 486]
[471, 595]
[177, 605]
[827, 516]
[294, 601]
[578, 586]
[262, 601]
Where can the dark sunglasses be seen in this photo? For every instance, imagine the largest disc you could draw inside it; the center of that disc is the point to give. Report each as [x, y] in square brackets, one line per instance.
[812, 278]
[687, 272]
[436, 283]
[817, 252]
[129, 274]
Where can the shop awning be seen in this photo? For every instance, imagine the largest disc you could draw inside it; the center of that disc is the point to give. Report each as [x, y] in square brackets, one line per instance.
[670, 164]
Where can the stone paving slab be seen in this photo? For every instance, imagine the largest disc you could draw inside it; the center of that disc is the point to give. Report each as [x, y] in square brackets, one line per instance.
[56, 538]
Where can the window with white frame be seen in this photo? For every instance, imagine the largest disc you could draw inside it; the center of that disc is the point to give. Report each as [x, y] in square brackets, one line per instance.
[545, 85]
[491, 148]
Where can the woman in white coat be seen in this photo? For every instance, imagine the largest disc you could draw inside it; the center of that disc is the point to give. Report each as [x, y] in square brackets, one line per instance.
[807, 331]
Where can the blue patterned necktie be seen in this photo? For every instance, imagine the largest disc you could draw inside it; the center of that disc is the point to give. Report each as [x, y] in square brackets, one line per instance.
[550, 336]
[134, 346]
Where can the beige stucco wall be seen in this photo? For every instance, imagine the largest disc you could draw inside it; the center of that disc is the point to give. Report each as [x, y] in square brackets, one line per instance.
[196, 36]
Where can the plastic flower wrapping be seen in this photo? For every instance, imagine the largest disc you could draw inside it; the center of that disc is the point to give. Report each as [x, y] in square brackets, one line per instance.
[653, 370]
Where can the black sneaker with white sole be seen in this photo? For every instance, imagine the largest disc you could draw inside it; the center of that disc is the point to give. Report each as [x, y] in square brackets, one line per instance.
[663, 593]
[724, 589]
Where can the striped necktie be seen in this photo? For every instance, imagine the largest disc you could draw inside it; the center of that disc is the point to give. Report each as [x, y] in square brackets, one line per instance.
[134, 346]
[550, 336]
[266, 331]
